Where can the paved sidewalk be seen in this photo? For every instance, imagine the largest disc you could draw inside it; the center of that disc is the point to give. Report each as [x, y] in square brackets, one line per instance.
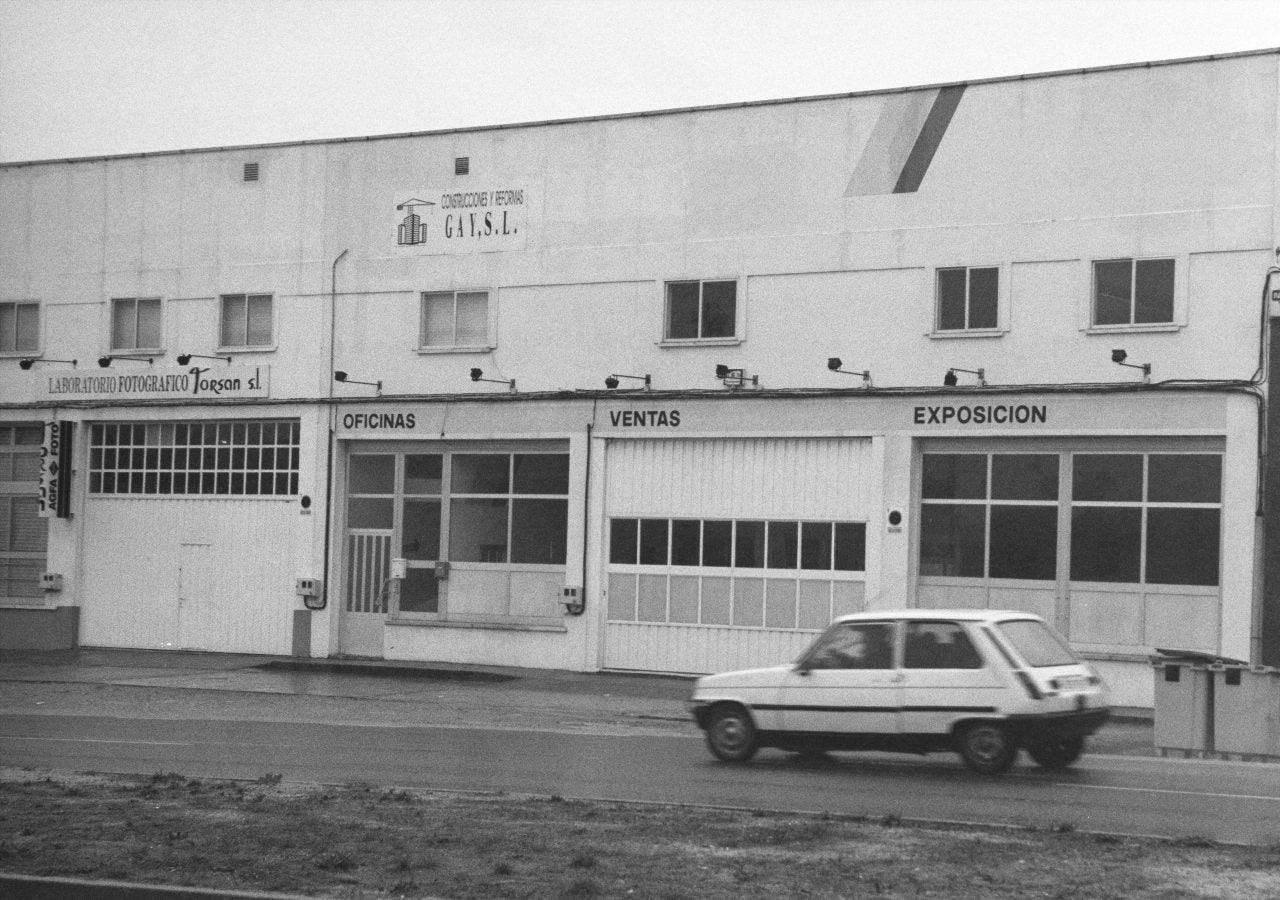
[190, 685]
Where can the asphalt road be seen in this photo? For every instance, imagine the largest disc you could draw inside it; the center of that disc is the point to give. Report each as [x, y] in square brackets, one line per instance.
[1225, 801]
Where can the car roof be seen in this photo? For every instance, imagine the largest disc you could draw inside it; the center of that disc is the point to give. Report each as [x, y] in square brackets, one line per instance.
[964, 615]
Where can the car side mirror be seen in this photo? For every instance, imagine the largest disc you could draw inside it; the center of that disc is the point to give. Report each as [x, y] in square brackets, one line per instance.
[801, 669]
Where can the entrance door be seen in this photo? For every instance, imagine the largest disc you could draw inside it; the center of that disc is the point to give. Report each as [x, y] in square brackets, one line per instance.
[196, 610]
[846, 684]
[393, 511]
[418, 514]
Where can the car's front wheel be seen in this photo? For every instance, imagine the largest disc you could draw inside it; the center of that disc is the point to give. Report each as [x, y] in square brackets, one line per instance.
[1056, 753]
[731, 734]
[986, 748]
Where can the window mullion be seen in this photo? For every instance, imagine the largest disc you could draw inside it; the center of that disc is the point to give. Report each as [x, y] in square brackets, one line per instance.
[701, 302]
[968, 309]
[1133, 301]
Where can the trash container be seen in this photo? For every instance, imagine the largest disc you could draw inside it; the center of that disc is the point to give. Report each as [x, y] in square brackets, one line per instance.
[1246, 716]
[1184, 697]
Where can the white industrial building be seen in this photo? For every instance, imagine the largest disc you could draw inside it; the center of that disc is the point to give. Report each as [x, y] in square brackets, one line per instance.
[864, 349]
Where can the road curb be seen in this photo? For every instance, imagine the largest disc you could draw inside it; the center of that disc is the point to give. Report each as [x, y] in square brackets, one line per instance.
[35, 887]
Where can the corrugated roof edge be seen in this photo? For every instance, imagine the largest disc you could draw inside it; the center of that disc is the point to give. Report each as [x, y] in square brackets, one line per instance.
[1059, 73]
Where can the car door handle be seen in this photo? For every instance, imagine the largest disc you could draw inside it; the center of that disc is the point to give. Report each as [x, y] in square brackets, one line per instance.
[899, 677]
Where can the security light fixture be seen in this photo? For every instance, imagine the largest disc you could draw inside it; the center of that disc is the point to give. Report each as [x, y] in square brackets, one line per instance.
[478, 375]
[105, 361]
[735, 378]
[950, 380]
[612, 381]
[834, 363]
[30, 361]
[341, 376]
[1119, 356]
[184, 358]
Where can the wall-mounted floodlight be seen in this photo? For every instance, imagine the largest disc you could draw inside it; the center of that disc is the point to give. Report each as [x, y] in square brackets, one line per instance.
[735, 377]
[478, 375]
[105, 361]
[346, 379]
[184, 358]
[612, 381]
[30, 361]
[1119, 356]
[950, 380]
[834, 363]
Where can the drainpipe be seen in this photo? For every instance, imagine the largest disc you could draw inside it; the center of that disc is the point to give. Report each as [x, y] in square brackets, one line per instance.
[328, 468]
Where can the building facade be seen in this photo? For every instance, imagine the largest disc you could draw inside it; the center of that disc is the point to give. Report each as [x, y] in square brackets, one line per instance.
[662, 392]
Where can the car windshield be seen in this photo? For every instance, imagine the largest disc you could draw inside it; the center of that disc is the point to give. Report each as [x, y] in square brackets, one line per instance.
[1039, 645]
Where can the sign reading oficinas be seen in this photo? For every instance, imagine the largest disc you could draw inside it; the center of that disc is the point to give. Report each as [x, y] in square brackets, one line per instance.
[195, 382]
[489, 217]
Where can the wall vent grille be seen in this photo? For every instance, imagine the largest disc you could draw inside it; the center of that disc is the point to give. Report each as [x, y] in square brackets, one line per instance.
[251, 171]
[462, 165]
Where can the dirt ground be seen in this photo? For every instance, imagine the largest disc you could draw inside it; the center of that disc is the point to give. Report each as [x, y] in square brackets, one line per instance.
[361, 841]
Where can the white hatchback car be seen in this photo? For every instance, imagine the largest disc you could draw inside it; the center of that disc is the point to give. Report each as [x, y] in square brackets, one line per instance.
[982, 683]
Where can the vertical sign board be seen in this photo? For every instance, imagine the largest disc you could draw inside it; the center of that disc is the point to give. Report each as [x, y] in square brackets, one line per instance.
[55, 470]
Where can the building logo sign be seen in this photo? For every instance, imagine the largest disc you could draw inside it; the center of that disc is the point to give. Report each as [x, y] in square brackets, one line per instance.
[411, 230]
[195, 383]
[488, 218]
[995, 414]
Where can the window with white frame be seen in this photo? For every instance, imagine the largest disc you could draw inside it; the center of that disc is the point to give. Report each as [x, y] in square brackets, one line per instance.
[246, 320]
[968, 299]
[210, 458]
[701, 310]
[989, 515]
[24, 535]
[1133, 291]
[19, 327]
[454, 319]
[749, 573]
[1146, 518]
[1129, 518]
[135, 323]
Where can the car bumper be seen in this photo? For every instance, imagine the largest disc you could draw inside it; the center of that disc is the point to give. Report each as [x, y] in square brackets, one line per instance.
[1073, 723]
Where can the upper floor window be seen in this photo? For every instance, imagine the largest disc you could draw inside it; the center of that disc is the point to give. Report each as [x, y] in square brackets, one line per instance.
[19, 327]
[968, 299]
[246, 320]
[454, 319]
[135, 323]
[1133, 292]
[701, 309]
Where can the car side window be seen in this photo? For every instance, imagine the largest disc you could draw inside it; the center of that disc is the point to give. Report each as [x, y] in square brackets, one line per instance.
[854, 646]
[939, 645]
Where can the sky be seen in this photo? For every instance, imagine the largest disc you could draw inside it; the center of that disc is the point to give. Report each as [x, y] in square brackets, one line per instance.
[102, 77]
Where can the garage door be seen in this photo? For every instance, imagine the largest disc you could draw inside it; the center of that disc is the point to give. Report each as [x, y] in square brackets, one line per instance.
[189, 536]
[731, 553]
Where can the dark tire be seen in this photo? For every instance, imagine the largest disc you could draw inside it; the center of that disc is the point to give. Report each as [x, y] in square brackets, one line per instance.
[986, 748]
[731, 735]
[1056, 753]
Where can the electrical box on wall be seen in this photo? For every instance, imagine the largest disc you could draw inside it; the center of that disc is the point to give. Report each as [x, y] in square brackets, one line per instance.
[311, 590]
[571, 597]
[399, 568]
[50, 582]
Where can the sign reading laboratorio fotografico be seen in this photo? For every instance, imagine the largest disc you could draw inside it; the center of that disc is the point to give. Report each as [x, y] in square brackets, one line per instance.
[192, 383]
[55, 470]
[485, 218]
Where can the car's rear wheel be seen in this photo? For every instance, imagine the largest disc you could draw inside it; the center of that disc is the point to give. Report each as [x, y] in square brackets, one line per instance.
[1056, 753]
[986, 748]
[731, 734]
